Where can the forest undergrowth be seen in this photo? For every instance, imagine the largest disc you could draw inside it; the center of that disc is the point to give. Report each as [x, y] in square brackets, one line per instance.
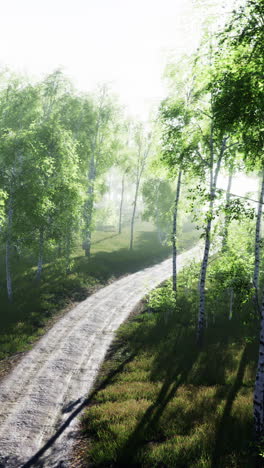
[161, 401]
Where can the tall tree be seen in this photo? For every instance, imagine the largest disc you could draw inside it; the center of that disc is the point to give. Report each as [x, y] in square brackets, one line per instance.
[239, 103]
[142, 144]
[102, 147]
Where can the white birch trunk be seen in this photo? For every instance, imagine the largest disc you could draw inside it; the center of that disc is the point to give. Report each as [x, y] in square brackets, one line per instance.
[174, 234]
[68, 253]
[227, 216]
[231, 304]
[133, 217]
[8, 250]
[40, 254]
[89, 208]
[121, 205]
[257, 247]
[141, 162]
[213, 182]
[258, 402]
[201, 315]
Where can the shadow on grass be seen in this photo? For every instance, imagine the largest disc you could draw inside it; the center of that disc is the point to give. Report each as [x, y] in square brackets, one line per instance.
[173, 373]
[228, 428]
[36, 303]
[197, 392]
[105, 238]
[40, 460]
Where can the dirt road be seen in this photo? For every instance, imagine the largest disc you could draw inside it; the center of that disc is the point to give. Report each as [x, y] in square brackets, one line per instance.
[40, 399]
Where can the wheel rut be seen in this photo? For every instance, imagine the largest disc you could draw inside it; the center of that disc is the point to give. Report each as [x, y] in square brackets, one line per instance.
[42, 392]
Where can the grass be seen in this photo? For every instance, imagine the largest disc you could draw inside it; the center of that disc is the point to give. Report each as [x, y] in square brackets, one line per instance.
[36, 306]
[166, 402]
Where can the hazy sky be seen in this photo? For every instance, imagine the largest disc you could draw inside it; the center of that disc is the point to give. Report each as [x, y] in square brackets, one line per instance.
[124, 42]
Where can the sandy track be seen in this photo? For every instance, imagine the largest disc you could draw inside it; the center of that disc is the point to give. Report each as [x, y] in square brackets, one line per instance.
[42, 393]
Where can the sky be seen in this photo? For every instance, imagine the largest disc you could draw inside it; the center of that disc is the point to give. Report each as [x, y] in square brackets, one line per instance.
[125, 43]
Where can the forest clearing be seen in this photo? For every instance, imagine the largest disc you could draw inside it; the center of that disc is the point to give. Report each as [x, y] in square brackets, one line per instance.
[131, 243]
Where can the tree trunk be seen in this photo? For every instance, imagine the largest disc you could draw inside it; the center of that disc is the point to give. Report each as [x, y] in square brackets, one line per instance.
[174, 234]
[133, 217]
[231, 303]
[121, 205]
[257, 248]
[201, 315]
[259, 384]
[213, 182]
[160, 235]
[227, 216]
[8, 250]
[89, 208]
[40, 256]
[68, 253]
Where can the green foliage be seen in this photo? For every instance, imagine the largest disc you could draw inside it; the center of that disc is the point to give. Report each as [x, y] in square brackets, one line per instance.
[158, 198]
[237, 82]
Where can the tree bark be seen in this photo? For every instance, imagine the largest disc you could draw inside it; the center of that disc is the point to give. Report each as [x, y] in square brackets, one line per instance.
[213, 182]
[231, 303]
[257, 248]
[133, 217]
[227, 216]
[141, 162]
[68, 253]
[174, 234]
[40, 255]
[121, 205]
[89, 208]
[258, 401]
[8, 250]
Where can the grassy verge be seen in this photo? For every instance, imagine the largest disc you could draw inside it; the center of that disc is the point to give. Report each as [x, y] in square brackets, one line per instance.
[36, 306]
[167, 403]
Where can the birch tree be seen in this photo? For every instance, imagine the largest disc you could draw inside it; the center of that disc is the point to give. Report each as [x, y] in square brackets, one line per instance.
[18, 108]
[142, 144]
[227, 203]
[178, 144]
[102, 146]
[158, 198]
[239, 103]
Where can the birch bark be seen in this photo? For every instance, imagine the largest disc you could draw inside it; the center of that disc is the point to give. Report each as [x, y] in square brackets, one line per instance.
[257, 247]
[40, 256]
[121, 205]
[231, 303]
[258, 401]
[214, 172]
[174, 234]
[227, 217]
[141, 162]
[89, 207]
[8, 249]
[133, 216]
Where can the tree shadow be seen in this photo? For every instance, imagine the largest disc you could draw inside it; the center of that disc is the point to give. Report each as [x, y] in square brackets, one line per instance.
[105, 238]
[227, 426]
[173, 374]
[39, 459]
[179, 363]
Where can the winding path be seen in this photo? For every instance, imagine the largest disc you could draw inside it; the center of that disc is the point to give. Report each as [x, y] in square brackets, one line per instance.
[38, 400]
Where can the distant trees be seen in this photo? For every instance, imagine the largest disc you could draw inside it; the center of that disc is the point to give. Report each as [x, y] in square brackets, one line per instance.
[56, 145]
[56, 149]
[142, 146]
